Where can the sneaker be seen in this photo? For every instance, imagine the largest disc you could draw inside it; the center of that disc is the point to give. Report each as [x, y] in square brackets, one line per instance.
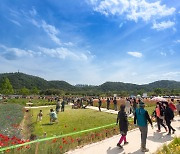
[158, 130]
[173, 131]
[126, 143]
[144, 150]
[119, 146]
[169, 134]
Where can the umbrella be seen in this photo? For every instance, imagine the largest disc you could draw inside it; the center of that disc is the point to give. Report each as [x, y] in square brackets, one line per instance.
[159, 99]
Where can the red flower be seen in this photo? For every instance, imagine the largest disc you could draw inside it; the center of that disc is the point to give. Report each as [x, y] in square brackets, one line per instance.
[28, 147]
[60, 147]
[64, 141]
[54, 140]
[72, 140]
[74, 129]
[8, 150]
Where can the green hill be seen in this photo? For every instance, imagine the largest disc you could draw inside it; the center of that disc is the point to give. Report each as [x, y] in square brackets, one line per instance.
[20, 80]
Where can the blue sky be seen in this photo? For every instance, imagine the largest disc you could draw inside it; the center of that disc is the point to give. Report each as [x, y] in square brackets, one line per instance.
[91, 41]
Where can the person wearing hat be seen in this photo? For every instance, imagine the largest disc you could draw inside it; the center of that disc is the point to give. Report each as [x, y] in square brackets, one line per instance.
[141, 117]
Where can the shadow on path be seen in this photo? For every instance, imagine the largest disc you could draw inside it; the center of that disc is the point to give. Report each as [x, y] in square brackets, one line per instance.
[137, 152]
[159, 137]
[115, 150]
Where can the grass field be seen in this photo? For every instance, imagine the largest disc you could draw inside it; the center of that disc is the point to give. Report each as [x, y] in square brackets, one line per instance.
[36, 102]
[71, 120]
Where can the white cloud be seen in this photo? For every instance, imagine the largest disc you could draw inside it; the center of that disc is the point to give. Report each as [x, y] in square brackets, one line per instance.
[64, 53]
[132, 9]
[163, 25]
[171, 74]
[135, 54]
[33, 12]
[35, 23]
[16, 51]
[15, 22]
[51, 31]
[163, 53]
[135, 10]
[145, 39]
[120, 25]
[177, 41]
[140, 9]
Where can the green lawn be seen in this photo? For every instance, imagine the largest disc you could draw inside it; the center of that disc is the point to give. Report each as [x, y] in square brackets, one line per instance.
[36, 102]
[71, 120]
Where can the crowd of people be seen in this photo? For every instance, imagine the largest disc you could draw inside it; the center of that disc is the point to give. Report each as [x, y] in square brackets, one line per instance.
[163, 113]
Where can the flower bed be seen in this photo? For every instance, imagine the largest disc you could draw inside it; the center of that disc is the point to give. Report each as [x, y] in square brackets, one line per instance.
[11, 116]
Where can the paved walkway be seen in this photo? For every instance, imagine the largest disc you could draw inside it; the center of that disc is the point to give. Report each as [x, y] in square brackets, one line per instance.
[105, 110]
[108, 146]
[102, 109]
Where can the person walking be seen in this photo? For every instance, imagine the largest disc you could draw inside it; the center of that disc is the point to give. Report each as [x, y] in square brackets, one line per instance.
[115, 104]
[128, 106]
[108, 103]
[62, 105]
[99, 104]
[178, 107]
[159, 116]
[169, 115]
[134, 105]
[172, 105]
[123, 125]
[141, 117]
[58, 105]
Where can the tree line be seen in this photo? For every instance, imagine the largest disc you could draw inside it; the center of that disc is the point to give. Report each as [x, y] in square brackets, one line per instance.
[6, 88]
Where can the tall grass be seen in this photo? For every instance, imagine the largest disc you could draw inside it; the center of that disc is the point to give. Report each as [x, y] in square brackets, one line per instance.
[172, 148]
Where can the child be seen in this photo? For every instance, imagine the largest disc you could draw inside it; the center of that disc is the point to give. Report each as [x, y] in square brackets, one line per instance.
[53, 115]
[40, 115]
[123, 125]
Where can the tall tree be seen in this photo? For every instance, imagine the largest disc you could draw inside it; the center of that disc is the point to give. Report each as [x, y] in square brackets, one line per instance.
[158, 91]
[6, 87]
[35, 90]
[24, 91]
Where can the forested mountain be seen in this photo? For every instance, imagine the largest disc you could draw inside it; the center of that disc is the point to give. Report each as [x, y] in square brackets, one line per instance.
[20, 80]
[164, 84]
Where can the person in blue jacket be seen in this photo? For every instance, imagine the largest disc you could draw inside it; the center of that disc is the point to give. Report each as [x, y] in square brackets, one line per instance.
[141, 118]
